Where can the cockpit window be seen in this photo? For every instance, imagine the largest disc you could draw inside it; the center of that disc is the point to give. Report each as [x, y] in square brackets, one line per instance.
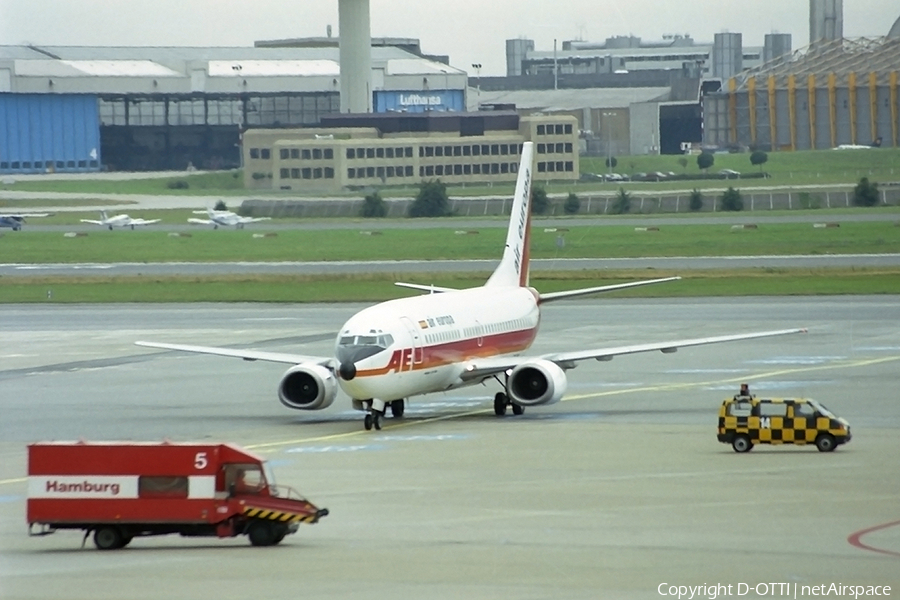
[382, 341]
[353, 348]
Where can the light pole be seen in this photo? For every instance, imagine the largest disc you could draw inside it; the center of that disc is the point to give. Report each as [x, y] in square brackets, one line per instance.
[477, 67]
[606, 118]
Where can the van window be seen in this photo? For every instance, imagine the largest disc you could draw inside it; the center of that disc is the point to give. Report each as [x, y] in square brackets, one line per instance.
[767, 409]
[803, 410]
[739, 409]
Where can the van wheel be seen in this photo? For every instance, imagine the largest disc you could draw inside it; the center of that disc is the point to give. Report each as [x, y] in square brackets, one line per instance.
[741, 443]
[108, 537]
[825, 442]
[262, 533]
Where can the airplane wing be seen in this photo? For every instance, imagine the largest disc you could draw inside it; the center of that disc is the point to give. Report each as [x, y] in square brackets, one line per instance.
[201, 221]
[482, 368]
[250, 355]
[23, 215]
[144, 221]
[93, 222]
[254, 219]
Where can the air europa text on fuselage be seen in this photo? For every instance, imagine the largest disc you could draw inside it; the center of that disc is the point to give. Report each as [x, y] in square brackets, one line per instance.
[523, 219]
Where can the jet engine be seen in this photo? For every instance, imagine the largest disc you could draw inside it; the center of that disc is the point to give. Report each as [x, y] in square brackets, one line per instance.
[537, 382]
[307, 387]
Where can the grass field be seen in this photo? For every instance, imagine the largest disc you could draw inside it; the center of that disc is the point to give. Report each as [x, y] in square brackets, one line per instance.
[820, 167]
[374, 288]
[610, 241]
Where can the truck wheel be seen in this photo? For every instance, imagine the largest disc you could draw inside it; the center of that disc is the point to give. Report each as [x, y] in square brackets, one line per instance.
[280, 532]
[108, 537]
[262, 533]
[825, 442]
[741, 443]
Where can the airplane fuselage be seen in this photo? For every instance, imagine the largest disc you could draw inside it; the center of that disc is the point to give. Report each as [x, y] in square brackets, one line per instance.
[421, 344]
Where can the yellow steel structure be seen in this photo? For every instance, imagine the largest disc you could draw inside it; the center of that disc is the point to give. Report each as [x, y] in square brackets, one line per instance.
[773, 114]
[894, 109]
[873, 104]
[811, 91]
[732, 108]
[792, 110]
[851, 93]
[832, 107]
[751, 99]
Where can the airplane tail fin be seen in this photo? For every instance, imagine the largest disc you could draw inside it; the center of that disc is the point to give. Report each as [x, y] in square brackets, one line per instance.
[103, 216]
[513, 267]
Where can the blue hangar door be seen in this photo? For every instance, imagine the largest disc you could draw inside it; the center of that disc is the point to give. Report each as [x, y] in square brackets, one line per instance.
[47, 133]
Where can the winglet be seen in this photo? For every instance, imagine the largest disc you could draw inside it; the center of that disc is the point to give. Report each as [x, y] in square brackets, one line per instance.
[513, 267]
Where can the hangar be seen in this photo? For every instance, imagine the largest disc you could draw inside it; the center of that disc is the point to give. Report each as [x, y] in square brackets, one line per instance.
[832, 93]
[158, 108]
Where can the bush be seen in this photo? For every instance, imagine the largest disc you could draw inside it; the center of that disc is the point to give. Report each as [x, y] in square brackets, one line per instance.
[431, 201]
[373, 206]
[258, 175]
[178, 184]
[696, 201]
[807, 200]
[572, 204]
[865, 193]
[622, 203]
[611, 162]
[705, 160]
[759, 158]
[731, 200]
[540, 204]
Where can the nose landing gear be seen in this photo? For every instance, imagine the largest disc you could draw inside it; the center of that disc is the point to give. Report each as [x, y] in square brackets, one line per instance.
[376, 409]
[373, 419]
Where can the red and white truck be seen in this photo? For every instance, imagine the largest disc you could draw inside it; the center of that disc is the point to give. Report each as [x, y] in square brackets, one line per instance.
[121, 490]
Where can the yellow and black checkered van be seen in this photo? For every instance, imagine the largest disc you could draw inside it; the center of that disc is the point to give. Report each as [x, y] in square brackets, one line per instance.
[745, 421]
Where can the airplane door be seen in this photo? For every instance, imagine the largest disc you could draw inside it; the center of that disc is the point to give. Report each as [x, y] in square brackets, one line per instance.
[418, 355]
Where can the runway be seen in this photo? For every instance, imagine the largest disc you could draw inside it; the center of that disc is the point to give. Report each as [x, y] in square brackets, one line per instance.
[616, 490]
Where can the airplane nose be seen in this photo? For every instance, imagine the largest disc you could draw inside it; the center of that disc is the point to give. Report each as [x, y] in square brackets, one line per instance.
[347, 371]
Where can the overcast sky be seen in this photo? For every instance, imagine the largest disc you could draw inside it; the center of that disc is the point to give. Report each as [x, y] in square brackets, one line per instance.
[470, 31]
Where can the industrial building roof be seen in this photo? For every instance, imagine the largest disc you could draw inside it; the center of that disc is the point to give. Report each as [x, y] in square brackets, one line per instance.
[568, 99]
[839, 57]
[153, 61]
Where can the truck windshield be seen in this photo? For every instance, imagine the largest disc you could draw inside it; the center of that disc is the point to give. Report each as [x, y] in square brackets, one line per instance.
[244, 478]
[270, 479]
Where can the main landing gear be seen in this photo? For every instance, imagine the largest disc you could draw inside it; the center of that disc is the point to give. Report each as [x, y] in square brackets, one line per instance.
[501, 401]
[376, 410]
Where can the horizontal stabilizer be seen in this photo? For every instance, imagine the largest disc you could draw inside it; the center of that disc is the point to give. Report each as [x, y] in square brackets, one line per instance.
[432, 289]
[605, 288]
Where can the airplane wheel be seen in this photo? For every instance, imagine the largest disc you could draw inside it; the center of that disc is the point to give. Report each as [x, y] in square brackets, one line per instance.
[367, 423]
[397, 408]
[518, 409]
[376, 421]
[500, 402]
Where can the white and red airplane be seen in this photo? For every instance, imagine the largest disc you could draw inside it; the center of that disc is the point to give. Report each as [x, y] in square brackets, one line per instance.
[449, 339]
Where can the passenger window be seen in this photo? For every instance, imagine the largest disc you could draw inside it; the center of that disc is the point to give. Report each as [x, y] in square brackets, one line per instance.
[772, 410]
[739, 409]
